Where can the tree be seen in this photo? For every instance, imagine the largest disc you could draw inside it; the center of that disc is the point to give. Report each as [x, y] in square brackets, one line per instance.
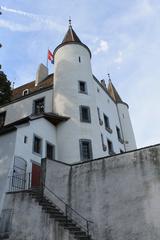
[5, 89]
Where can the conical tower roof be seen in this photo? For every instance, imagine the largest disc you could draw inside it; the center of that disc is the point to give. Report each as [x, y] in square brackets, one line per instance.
[113, 93]
[71, 36]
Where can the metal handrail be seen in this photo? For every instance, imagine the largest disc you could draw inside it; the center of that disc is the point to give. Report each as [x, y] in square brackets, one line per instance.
[67, 204]
[70, 208]
[23, 182]
[19, 182]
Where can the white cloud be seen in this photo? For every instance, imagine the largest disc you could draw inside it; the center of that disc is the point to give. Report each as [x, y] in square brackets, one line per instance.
[119, 58]
[39, 22]
[103, 47]
[18, 27]
[145, 8]
[141, 10]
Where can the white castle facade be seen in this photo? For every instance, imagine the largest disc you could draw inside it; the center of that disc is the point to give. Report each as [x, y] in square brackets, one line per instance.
[69, 167]
[69, 116]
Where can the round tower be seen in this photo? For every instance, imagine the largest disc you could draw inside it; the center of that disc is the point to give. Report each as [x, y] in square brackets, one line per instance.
[72, 64]
[124, 119]
[73, 88]
[128, 134]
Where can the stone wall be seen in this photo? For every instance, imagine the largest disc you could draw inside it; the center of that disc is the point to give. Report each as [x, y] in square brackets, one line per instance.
[7, 145]
[120, 194]
[30, 222]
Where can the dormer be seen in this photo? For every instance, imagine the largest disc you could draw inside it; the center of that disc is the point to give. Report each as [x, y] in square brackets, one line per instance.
[25, 92]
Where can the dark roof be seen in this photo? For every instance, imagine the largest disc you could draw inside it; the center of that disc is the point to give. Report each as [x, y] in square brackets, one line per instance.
[53, 118]
[113, 93]
[71, 36]
[17, 92]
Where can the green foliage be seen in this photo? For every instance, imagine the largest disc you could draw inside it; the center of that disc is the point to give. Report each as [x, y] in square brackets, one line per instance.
[5, 89]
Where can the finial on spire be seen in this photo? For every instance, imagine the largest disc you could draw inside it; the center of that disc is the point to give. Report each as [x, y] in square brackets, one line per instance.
[70, 22]
[109, 77]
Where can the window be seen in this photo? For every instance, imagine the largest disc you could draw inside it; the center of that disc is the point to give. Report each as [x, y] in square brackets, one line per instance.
[99, 117]
[50, 153]
[25, 139]
[103, 145]
[79, 59]
[119, 134]
[82, 87]
[85, 114]
[106, 123]
[2, 118]
[39, 106]
[85, 149]
[110, 147]
[37, 145]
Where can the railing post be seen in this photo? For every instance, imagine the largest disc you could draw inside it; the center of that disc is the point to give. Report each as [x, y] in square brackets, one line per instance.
[66, 212]
[87, 228]
[29, 176]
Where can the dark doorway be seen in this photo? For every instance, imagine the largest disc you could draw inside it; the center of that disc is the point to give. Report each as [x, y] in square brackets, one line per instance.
[36, 175]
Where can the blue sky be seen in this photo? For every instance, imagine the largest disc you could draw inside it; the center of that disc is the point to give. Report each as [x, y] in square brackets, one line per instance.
[124, 37]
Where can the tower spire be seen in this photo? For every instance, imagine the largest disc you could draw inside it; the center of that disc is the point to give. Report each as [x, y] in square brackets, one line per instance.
[70, 22]
[109, 77]
[113, 92]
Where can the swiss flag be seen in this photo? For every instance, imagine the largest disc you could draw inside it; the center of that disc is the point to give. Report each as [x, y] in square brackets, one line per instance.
[50, 56]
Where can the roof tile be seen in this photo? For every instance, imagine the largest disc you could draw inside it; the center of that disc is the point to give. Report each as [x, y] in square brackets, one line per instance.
[17, 92]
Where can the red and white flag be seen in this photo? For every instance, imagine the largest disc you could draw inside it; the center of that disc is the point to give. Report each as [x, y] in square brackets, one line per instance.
[50, 56]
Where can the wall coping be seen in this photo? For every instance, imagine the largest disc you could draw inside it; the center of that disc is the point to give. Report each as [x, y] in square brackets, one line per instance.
[106, 157]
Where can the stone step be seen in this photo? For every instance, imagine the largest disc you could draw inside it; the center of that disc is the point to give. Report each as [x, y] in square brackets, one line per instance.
[50, 208]
[46, 204]
[59, 216]
[53, 211]
[66, 225]
[64, 221]
[79, 233]
[73, 229]
[83, 237]
[54, 215]
[40, 199]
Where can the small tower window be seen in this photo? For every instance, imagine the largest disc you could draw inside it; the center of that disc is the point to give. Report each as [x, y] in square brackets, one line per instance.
[85, 115]
[103, 145]
[85, 149]
[107, 124]
[38, 106]
[82, 87]
[110, 147]
[99, 117]
[79, 59]
[50, 151]
[25, 139]
[37, 145]
[119, 134]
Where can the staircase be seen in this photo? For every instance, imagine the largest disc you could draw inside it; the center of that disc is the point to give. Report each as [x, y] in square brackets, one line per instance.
[64, 220]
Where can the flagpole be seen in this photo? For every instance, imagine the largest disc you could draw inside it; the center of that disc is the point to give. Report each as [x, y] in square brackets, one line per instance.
[47, 58]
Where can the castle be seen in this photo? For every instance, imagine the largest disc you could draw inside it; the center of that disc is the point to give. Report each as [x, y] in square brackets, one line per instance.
[68, 117]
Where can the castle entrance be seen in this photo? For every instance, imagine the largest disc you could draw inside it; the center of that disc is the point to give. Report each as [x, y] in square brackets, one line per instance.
[36, 175]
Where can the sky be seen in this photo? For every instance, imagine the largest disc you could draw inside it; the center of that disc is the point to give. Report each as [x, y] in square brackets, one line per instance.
[123, 36]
